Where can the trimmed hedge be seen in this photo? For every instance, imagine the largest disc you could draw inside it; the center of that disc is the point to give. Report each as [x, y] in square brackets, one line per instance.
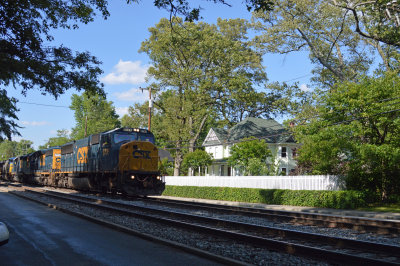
[310, 198]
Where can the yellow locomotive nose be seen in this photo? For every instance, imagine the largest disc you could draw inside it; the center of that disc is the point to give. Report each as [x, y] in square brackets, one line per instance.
[138, 156]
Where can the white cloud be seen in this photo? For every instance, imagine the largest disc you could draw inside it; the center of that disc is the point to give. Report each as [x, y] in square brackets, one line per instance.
[121, 111]
[133, 95]
[127, 72]
[35, 123]
[304, 87]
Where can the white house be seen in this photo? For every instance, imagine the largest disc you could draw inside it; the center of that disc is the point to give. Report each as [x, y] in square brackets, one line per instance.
[280, 141]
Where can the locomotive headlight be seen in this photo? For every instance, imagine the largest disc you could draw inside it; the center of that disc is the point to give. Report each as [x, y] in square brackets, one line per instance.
[132, 177]
[158, 177]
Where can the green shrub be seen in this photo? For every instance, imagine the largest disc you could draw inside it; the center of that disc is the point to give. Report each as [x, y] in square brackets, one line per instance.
[311, 198]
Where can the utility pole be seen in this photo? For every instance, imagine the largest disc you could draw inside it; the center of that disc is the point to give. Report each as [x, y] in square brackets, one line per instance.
[150, 106]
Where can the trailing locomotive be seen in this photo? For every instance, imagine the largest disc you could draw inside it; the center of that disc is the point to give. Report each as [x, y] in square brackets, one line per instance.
[122, 160]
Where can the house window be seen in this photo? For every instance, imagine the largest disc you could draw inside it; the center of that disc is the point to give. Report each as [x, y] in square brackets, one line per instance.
[283, 171]
[283, 152]
[294, 152]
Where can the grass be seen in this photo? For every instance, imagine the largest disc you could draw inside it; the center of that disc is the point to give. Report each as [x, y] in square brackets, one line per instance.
[381, 207]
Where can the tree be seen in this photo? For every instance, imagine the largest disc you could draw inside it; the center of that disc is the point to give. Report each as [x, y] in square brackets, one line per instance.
[165, 167]
[8, 109]
[375, 20]
[197, 160]
[137, 116]
[182, 7]
[93, 114]
[9, 149]
[61, 139]
[28, 61]
[202, 69]
[356, 134]
[250, 154]
[320, 28]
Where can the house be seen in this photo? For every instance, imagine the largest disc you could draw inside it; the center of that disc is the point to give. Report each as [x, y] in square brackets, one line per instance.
[280, 141]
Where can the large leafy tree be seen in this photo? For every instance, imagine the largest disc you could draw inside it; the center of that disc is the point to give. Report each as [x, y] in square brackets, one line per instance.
[93, 114]
[30, 61]
[319, 28]
[10, 149]
[375, 20]
[356, 134]
[62, 138]
[202, 69]
[250, 155]
[327, 33]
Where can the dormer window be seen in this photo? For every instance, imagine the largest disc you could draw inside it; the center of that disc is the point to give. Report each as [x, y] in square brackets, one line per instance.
[283, 152]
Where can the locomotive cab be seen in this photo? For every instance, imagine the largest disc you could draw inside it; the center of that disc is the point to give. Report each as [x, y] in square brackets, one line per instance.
[133, 152]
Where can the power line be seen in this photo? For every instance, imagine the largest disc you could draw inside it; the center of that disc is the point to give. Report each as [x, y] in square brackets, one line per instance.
[48, 105]
[298, 78]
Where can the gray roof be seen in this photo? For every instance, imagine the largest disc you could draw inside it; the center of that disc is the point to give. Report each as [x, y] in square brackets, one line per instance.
[267, 129]
[165, 154]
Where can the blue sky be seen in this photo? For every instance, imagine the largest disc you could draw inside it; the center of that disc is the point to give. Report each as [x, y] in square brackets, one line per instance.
[116, 42]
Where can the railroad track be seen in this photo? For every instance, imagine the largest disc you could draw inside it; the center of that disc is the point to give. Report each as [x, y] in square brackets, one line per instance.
[364, 225]
[319, 247]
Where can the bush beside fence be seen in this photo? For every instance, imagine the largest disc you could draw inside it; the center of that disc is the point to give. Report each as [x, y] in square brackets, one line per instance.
[310, 198]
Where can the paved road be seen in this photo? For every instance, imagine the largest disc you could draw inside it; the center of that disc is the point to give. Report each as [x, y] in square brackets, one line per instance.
[43, 236]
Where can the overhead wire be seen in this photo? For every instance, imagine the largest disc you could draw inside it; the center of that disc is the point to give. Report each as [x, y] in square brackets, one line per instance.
[259, 137]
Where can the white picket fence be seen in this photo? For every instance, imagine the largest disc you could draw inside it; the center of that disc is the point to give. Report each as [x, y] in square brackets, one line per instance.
[312, 182]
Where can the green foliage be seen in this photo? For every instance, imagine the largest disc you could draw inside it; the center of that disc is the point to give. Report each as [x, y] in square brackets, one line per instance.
[310, 198]
[183, 7]
[197, 159]
[61, 139]
[30, 61]
[8, 109]
[10, 149]
[250, 154]
[202, 71]
[356, 134]
[376, 20]
[319, 28]
[93, 114]
[325, 29]
[137, 116]
[166, 167]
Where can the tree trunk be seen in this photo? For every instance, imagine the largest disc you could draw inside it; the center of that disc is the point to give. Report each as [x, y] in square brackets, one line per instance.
[178, 162]
[196, 135]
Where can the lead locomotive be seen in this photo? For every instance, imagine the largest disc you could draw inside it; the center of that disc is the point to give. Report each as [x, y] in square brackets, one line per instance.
[121, 160]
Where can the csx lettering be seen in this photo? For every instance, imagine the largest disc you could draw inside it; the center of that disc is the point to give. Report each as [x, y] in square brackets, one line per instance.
[141, 154]
[82, 155]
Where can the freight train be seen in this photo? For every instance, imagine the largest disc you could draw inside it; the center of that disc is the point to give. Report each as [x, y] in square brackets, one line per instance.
[123, 160]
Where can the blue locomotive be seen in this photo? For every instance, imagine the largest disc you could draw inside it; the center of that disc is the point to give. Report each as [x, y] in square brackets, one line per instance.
[122, 160]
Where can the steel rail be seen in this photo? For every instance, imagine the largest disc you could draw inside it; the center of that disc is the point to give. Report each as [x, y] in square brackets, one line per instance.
[381, 226]
[122, 228]
[292, 248]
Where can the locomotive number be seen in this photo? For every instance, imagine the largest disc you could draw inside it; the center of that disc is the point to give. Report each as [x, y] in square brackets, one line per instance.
[141, 154]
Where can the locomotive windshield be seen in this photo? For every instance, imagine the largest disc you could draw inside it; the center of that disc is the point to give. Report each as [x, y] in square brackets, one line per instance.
[146, 137]
[119, 137]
